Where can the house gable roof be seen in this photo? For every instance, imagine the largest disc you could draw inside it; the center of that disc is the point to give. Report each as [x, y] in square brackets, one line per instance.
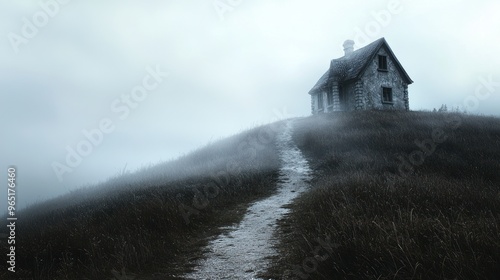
[354, 65]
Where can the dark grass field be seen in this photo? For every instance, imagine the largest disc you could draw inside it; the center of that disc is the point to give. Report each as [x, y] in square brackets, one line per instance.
[396, 195]
[151, 224]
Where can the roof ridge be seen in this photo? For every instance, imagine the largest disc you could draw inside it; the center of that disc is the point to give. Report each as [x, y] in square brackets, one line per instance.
[351, 66]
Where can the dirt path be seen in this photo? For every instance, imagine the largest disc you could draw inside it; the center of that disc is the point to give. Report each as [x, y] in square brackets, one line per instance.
[244, 251]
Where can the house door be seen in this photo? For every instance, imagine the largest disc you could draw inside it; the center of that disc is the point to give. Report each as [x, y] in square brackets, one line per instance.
[342, 99]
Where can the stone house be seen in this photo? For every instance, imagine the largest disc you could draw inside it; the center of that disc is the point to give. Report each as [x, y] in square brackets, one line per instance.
[368, 78]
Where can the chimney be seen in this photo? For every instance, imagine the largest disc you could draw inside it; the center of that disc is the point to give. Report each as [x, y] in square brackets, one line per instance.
[348, 47]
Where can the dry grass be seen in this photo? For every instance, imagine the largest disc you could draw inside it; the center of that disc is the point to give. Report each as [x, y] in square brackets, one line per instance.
[367, 215]
[155, 220]
[440, 221]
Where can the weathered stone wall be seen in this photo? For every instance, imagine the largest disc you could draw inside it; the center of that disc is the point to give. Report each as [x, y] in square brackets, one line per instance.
[367, 93]
[374, 80]
[313, 103]
[336, 101]
[406, 97]
[356, 99]
[359, 96]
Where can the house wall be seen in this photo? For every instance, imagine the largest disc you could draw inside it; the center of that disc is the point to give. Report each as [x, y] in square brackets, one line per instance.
[315, 102]
[350, 90]
[373, 80]
[326, 107]
[366, 93]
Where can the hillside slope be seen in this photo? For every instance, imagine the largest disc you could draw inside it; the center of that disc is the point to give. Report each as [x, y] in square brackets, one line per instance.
[246, 250]
[396, 195]
[153, 221]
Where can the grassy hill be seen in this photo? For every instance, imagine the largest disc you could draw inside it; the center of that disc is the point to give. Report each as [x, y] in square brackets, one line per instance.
[399, 195]
[157, 219]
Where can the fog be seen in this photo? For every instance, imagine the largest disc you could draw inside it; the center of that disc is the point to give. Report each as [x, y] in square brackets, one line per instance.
[204, 70]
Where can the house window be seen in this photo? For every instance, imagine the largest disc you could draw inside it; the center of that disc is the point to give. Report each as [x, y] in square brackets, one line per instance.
[320, 101]
[329, 98]
[387, 95]
[382, 63]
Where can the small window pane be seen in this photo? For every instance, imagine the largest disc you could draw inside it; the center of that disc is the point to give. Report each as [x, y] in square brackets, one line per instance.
[387, 95]
[382, 62]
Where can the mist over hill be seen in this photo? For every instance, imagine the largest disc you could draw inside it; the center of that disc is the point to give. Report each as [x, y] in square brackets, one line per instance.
[408, 195]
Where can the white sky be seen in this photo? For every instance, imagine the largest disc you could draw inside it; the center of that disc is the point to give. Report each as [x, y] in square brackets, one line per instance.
[254, 66]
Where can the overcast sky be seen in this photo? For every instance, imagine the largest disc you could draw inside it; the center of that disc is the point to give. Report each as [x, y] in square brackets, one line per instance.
[232, 64]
